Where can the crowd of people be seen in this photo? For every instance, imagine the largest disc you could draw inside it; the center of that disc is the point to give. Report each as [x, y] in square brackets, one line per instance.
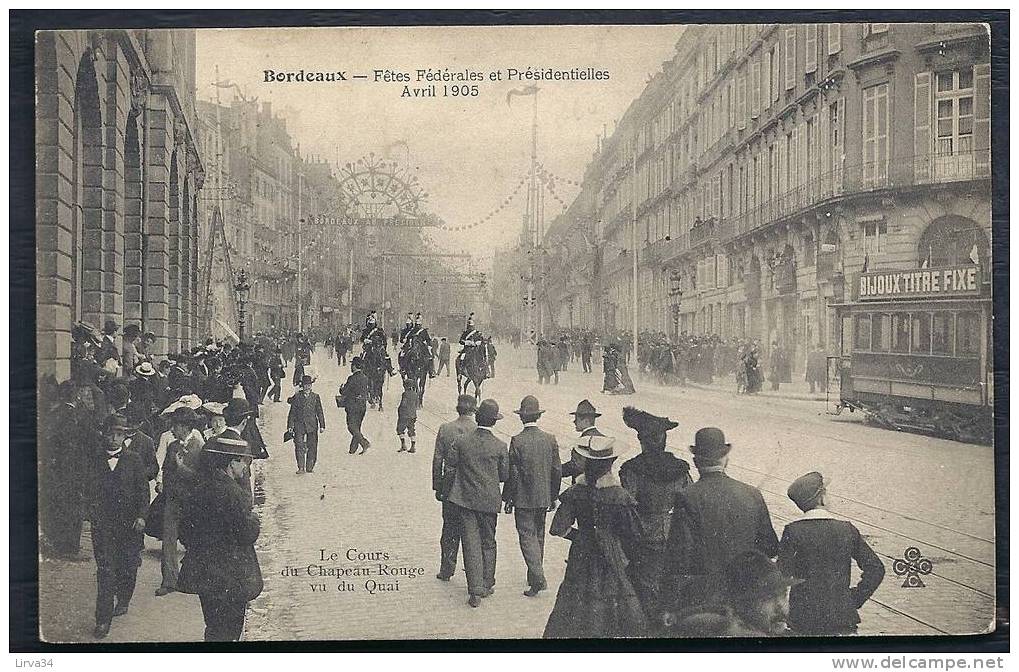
[653, 552]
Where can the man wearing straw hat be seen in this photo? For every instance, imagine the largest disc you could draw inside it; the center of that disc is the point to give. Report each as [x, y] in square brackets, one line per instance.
[532, 488]
[478, 463]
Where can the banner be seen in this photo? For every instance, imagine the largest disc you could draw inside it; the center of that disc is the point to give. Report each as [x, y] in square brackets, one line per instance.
[920, 283]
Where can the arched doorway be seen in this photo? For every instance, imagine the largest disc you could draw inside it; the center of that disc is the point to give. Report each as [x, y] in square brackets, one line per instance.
[87, 181]
[952, 241]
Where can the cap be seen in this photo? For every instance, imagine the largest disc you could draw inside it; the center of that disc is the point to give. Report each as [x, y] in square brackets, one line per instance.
[806, 488]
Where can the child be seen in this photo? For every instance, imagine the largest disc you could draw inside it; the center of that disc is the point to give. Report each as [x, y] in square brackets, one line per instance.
[407, 415]
[820, 548]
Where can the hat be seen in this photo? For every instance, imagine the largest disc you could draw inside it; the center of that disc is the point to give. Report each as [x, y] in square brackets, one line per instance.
[529, 406]
[646, 423]
[806, 488]
[237, 410]
[752, 574]
[192, 401]
[110, 327]
[115, 421]
[228, 442]
[356, 362]
[306, 379]
[710, 443]
[145, 369]
[184, 416]
[488, 411]
[85, 331]
[586, 409]
[466, 403]
[597, 448]
[136, 413]
[132, 330]
[213, 407]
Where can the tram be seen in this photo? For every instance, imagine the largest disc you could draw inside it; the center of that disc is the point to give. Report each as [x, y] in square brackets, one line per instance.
[916, 353]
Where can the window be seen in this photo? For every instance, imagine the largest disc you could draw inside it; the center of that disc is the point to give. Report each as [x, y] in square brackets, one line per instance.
[954, 109]
[875, 235]
[968, 334]
[943, 333]
[875, 36]
[921, 334]
[834, 38]
[755, 82]
[900, 332]
[862, 335]
[768, 81]
[776, 88]
[875, 135]
[811, 49]
[834, 137]
[881, 333]
[790, 58]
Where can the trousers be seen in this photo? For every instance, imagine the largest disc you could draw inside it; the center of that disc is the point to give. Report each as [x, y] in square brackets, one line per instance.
[449, 541]
[306, 448]
[443, 364]
[531, 533]
[477, 534]
[276, 389]
[355, 416]
[117, 560]
[224, 617]
[169, 564]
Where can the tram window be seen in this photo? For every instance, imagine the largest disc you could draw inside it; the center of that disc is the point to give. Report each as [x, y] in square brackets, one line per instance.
[921, 333]
[943, 333]
[881, 332]
[968, 331]
[862, 338]
[900, 332]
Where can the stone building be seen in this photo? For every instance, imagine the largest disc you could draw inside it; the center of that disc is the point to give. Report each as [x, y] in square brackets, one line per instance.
[118, 178]
[774, 161]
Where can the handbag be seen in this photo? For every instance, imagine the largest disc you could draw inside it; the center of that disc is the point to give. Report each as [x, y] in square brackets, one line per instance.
[154, 516]
[340, 403]
[288, 435]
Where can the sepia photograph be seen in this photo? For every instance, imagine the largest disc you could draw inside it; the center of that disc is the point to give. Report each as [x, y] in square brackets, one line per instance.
[515, 332]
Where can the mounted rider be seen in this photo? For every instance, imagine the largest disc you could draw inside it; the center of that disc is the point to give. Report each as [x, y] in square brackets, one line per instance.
[470, 339]
[373, 335]
[416, 332]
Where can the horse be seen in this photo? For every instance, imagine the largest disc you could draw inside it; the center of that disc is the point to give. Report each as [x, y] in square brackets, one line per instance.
[472, 367]
[416, 365]
[375, 368]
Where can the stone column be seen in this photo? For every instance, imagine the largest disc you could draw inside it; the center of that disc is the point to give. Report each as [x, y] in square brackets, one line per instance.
[156, 232]
[116, 93]
[134, 269]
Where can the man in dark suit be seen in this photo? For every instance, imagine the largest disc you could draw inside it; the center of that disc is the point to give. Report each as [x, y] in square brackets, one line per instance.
[443, 351]
[583, 420]
[532, 488]
[354, 395]
[448, 434]
[119, 499]
[820, 549]
[140, 443]
[713, 521]
[478, 463]
[305, 421]
[108, 349]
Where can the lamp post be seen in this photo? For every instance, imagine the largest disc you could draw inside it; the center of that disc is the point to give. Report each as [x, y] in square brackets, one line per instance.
[242, 287]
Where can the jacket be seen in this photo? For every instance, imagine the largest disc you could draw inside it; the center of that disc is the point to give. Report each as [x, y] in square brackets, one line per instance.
[119, 497]
[821, 549]
[714, 520]
[306, 412]
[219, 530]
[654, 479]
[145, 449]
[408, 408]
[444, 351]
[447, 435]
[479, 462]
[355, 391]
[534, 470]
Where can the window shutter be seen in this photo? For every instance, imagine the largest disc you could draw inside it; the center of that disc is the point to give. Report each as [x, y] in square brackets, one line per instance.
[834, 38]
[766, 74]
[741, 95]
[923, 142]
[801, 160]
[825, 149]
[790, 58]
[982, 118]
[755, 82]
[775, 63]
[811, 47]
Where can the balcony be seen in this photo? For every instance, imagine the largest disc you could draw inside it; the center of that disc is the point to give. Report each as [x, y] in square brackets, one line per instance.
[856, 179]
[704, 232]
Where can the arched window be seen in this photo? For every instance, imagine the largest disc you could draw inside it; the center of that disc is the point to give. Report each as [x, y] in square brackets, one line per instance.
[952, 241]
[87, 183]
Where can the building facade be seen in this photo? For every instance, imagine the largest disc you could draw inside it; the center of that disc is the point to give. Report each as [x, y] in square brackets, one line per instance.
[118, 178]
[768, 163]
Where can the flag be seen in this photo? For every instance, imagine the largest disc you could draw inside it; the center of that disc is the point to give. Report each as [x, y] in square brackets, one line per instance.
[974, 255]
[927, 262]
[526, 91]
[866, 262]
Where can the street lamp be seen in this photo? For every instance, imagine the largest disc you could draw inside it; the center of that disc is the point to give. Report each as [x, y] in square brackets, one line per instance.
[242, 287]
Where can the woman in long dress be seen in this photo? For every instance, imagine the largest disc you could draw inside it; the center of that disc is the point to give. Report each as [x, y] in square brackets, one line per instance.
[596, 597]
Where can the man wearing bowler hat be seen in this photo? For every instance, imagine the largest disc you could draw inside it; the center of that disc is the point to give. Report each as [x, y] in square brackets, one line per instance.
[583, 420]
[478, 463]
[532, 488]
[448, 434]
[820, 549]
[305, 420]
[713, 521]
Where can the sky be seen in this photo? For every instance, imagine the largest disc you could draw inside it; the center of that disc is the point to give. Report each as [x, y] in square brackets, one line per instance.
[468, 153]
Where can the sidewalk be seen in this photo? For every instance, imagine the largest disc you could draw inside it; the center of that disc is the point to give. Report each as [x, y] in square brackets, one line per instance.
[798, 390]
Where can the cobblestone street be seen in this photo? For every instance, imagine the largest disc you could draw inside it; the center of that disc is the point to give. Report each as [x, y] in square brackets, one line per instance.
[381, 504]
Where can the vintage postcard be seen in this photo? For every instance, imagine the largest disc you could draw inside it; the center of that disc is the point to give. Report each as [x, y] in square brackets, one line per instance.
[515, 332]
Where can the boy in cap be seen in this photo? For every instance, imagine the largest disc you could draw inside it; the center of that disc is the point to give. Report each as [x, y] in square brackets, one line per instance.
[119, 498]
[820, 549]
[406, 416]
